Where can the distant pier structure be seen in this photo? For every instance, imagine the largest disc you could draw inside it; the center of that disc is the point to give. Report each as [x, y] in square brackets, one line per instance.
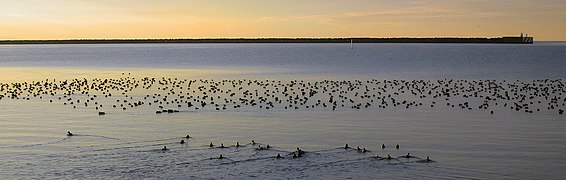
[523, 39]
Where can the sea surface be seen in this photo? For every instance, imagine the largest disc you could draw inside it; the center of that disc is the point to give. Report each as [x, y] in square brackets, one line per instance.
[444, 101]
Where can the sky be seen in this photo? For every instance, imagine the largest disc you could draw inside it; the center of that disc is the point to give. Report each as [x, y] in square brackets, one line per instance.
[125, 19]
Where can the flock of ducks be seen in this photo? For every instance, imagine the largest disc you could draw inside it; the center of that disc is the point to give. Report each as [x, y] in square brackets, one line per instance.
[172, 95]
[298, 153]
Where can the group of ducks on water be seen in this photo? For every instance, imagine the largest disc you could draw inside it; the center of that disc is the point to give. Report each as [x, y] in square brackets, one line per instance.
[167, 94]
[298, 153]
[364, 150]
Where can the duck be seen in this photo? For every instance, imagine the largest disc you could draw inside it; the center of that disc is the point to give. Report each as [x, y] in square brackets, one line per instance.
[300, 151]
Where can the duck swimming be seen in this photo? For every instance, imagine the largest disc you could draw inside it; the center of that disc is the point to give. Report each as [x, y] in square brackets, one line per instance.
[69, 133]
[300, 151]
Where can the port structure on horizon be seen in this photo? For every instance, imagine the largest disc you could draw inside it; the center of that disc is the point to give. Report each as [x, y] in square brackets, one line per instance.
[523, 39]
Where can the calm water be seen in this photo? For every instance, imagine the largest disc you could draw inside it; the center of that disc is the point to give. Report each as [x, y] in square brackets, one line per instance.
[464, 144]
[439, 61]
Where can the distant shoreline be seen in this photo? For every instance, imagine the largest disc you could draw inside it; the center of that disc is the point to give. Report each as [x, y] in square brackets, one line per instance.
[496, 40]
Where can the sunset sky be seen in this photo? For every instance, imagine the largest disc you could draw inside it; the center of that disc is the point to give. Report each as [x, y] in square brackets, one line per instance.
[72, 19]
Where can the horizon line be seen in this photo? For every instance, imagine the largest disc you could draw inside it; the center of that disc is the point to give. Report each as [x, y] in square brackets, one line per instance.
[497, 40]
[266, 38]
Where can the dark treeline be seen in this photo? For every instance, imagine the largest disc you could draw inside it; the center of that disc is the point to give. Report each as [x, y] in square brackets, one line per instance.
[506, 40]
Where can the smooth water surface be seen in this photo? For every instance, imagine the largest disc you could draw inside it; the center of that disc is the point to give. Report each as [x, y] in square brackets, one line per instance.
[465, 61]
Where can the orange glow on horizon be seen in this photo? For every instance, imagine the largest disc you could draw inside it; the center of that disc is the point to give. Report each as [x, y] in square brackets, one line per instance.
[145, 19]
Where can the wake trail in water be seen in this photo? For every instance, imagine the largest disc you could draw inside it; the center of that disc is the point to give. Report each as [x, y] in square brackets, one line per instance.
[99, 136]
[325, 150]
[157, 146]
[133, 147]
[69, 137]
[148, 141]
[42, 144]
[248, 160]
[133, 142]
